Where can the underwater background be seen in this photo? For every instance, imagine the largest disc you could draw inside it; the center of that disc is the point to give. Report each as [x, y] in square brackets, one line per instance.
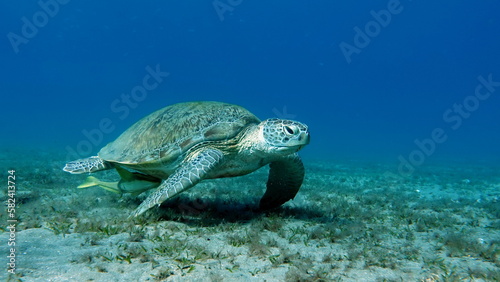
[411, 87]
[370, 100]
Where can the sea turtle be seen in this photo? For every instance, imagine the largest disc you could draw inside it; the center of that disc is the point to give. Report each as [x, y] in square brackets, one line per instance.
[176, 147]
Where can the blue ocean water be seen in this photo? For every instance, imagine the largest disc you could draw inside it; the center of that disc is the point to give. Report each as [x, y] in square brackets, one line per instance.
[400, 81]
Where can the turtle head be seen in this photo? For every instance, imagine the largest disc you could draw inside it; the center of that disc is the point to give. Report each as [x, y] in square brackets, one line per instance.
[284, 136]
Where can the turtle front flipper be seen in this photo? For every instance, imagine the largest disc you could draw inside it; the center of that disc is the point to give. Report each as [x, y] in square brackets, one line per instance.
[285, 179]
[86, 165]
[185, 177]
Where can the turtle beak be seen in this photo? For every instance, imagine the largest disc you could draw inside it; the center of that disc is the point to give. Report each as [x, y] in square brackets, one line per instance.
[301, 140]
[306, 137]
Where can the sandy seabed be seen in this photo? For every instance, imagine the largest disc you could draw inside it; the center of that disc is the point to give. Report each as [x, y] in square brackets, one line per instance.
[351, 221]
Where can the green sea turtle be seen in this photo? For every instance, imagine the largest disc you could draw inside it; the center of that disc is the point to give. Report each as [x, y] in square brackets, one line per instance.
[176, 147]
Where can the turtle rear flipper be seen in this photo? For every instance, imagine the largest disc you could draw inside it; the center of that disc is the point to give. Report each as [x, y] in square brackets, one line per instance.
[87, 165]
[285, 179]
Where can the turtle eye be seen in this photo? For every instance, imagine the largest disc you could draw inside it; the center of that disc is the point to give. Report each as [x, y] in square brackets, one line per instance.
[289, 130]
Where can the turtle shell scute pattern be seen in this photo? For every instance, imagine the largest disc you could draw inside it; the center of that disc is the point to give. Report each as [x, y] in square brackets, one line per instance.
[166, 134]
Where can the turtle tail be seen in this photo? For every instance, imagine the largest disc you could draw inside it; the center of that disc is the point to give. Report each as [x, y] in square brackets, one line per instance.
[86, 165]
